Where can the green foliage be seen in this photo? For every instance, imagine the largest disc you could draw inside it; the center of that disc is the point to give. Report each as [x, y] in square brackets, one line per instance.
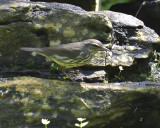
[143, 75]
[54, 67]
[155, 69]
[12, 65]
[141, 119]
[81, 124]
[119, 77]
[106, 4]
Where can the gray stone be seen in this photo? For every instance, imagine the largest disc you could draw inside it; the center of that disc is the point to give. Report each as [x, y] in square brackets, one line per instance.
[88, 5]
[24, 101]
[40, 24]
[132, 40]
[45, 24]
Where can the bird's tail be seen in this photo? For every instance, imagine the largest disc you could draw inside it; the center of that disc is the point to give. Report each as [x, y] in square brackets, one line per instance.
[31, 49]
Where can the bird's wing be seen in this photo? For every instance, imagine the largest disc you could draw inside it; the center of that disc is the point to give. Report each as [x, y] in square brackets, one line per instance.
[71, 50]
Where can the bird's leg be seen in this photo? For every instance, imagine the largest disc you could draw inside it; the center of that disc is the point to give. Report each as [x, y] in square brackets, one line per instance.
[64, 71]
[73, 74]
[67, 76]
[79, 73]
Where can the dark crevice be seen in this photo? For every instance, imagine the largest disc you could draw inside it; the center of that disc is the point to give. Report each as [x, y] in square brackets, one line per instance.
[131, 73]
[129, 27]
[7, 23]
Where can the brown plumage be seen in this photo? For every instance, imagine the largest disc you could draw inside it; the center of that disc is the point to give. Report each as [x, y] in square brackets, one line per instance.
[72, 54]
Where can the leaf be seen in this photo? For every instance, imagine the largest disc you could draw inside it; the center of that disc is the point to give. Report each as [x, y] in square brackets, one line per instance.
[158, 53]
[143, 75]
[33, 53]
[77, 125]
[84, 124]
[81, 119]
[154, 67]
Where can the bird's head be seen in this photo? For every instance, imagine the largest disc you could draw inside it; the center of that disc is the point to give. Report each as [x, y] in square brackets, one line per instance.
[95, 45]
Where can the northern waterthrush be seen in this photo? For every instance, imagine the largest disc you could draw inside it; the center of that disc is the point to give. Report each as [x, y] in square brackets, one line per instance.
[72, 54]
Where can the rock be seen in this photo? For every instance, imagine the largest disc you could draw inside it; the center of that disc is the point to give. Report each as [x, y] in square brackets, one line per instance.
[46, 24]
[39, 24]
[147, 11]
[132, 39]
[24, 101]
[88, 5]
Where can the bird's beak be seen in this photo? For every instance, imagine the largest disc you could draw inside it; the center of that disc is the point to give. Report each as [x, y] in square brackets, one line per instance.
[104, 48]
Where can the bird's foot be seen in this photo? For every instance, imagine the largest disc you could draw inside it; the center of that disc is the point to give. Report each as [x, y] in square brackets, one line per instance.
[74, 75]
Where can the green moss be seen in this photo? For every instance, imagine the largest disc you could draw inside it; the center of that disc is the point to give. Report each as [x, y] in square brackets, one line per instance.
[37, 26]
[141, 36]
[63, 20]
[55, 27]
[158, 41]
[84, 32]
[56, 42]
[69, 32]
[92, 35]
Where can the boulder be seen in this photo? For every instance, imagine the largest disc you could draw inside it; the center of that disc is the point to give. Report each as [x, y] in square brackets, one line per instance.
[145, 10]
[40, 24]
[88, 5]
[36, 24]
[24, 101]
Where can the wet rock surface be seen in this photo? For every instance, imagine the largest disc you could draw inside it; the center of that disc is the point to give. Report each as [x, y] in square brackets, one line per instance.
[26, 100]
[37, 24]
[43, 24]
[88, 5]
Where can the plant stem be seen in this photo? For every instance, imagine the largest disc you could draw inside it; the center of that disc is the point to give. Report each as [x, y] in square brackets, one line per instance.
[81, 124]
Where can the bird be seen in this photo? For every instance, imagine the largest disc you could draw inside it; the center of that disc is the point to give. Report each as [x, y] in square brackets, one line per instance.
[70, 55]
